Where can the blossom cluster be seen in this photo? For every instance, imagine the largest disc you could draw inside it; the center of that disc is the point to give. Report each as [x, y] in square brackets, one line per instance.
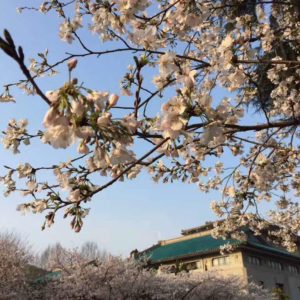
[210, 62]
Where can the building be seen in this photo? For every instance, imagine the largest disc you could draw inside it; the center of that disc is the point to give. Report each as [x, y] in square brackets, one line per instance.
[254, 260]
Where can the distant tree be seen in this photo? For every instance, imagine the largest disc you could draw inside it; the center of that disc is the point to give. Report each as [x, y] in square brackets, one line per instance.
[54, 257]
[91, 251]
[57, 257]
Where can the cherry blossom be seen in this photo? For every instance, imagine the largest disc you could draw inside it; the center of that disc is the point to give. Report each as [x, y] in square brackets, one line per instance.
[212, 92]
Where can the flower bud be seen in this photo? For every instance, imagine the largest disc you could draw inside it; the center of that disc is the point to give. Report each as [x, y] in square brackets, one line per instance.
[77, 227]
[72, 64]
[74, 81]
[112, 101]
[83, 149]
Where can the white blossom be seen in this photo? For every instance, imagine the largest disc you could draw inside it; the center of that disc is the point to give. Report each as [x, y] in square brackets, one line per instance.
[59, 136]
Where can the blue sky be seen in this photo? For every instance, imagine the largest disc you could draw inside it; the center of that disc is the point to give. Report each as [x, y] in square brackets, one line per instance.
[129, 215]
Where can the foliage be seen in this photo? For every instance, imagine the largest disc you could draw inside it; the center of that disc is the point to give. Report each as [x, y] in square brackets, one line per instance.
[198, 49]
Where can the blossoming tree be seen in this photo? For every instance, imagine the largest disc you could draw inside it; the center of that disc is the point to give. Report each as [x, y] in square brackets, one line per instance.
[15, 255]
[115, 278]
[249, 50]
[105, 278]
[78, 277]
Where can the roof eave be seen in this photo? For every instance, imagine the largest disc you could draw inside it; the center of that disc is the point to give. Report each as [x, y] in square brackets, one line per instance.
[242, 245]
[248, 246]
[189, 256]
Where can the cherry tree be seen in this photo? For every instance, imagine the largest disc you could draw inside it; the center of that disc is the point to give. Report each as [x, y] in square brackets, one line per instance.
[15, 255]
[117, 278]
[246, 49]
[78, 277]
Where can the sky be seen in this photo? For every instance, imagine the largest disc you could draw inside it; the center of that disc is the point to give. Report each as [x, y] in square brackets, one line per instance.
[130, 215]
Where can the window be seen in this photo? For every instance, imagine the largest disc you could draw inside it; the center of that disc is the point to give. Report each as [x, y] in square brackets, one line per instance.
[254, 260]
[280, 286]
[220, 261]
[293, 269]
[190, 266]
[173, 269]
[275, 265]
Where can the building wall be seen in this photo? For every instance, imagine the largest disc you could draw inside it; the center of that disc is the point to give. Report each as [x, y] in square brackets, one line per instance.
[269, 274]
[239, 264]
[233, 267]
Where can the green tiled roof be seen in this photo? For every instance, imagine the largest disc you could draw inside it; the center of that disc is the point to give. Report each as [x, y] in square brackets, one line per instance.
[194, 246]
[257, 243]
[206, 244]
[48, 277]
